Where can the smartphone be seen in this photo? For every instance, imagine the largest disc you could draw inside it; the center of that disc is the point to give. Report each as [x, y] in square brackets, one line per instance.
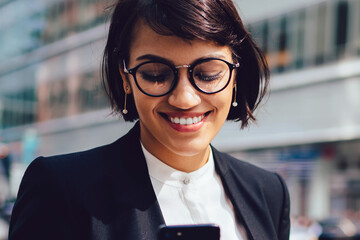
[189, 232]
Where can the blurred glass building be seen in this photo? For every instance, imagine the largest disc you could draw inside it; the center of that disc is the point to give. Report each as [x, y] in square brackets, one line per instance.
[51, 100]
[309, 129]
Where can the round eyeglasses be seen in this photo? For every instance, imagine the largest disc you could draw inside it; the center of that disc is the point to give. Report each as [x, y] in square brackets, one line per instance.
[157, 78]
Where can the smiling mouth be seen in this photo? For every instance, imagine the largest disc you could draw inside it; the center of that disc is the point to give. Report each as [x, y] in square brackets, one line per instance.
[186, 120]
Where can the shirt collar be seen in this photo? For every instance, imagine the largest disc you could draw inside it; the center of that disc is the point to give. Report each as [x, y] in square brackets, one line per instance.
[170, 176]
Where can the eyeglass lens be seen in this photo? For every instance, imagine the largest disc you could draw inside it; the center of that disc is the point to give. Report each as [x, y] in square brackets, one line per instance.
[157, 78]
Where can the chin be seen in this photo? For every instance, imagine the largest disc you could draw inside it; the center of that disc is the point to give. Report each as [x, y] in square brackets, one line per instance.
[190, 150]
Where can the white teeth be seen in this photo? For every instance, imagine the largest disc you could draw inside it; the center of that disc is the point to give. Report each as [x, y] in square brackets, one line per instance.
[186, 121]
[182, 121]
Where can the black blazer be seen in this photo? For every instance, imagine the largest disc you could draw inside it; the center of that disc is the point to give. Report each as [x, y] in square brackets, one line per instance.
[106, 193]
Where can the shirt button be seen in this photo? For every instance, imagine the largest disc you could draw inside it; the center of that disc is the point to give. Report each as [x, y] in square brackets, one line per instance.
[186, 181]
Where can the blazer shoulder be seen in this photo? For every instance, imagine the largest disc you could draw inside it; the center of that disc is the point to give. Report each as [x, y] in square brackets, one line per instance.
[73, 159]
[94, 167]
[64, 169]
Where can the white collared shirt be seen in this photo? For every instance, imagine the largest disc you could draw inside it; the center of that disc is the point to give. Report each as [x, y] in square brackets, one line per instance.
[193, 198]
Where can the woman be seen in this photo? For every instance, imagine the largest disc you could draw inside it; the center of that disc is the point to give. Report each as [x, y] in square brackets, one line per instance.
[182, 68]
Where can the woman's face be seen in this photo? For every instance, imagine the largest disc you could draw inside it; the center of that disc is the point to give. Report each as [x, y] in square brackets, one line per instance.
[159, 134]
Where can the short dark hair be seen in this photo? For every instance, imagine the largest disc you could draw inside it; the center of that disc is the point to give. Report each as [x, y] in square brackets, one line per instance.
[210, 20]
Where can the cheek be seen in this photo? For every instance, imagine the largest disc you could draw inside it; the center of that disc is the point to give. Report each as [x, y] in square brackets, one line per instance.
[140, 104]
[145, 105]
[222, 101]
[226, 101]
[226, 95]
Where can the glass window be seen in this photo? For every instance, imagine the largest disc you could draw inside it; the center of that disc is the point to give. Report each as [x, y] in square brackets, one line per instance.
[19, 108]
[283, 60]
[91, 93]
[273, 43]
[357, 12]
[341, 28]
[298, 38]
[44, 22]
[292, 38]
[310, 35]
[257, 31]
[320, 34]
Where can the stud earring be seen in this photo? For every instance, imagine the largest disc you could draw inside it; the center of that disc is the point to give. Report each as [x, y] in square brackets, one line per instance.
[125, 111]
[235, 102]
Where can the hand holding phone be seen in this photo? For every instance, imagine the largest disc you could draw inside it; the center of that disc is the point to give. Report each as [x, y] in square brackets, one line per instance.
[189, 232]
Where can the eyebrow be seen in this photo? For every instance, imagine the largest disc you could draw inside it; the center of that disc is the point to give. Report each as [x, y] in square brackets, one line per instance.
[152, 57]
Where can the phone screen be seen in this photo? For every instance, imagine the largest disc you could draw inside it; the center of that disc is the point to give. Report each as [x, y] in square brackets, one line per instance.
[189, 232]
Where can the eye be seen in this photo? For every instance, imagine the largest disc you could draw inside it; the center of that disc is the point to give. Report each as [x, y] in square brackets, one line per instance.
[208, 71]
[154, 76]
[208, 76]
[155, 72]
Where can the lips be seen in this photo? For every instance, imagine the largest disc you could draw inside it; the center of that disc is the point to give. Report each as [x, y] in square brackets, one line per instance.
[185, 122]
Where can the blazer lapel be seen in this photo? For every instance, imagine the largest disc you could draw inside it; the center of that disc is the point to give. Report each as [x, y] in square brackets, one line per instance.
[135, 196]
[246, 202]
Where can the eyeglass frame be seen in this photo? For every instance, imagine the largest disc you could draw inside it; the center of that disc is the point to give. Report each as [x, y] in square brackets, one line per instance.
[175, 68]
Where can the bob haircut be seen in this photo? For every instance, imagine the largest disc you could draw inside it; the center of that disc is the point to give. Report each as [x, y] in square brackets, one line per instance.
[209, 20]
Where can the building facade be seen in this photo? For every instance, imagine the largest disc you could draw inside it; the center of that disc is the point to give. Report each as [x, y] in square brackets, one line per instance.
[309, 128]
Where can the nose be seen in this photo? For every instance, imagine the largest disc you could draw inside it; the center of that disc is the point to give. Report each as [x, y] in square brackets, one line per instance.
[184, 96]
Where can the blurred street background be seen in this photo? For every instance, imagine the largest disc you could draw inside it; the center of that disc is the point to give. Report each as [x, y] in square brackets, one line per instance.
[308, 129]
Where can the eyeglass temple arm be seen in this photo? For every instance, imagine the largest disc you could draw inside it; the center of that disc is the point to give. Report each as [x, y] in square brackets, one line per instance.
[125, 69]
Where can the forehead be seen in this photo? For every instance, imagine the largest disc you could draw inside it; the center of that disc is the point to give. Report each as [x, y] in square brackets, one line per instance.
[180, 51]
